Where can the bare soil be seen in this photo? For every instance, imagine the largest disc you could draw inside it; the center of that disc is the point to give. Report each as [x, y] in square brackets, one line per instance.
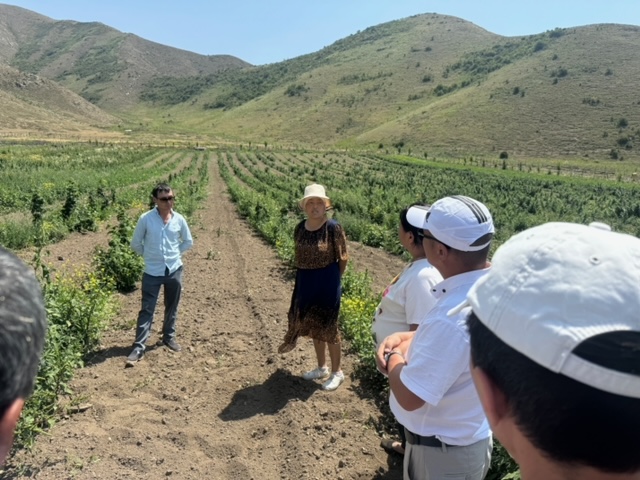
[228, 406]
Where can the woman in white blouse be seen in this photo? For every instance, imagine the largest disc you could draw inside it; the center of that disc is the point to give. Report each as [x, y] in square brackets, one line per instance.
[406, 300]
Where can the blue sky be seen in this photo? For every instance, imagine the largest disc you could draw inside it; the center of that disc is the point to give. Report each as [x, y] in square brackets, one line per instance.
[268, 31]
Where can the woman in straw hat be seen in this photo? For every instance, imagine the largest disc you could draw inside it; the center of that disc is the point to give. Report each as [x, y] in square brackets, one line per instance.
[320, 260]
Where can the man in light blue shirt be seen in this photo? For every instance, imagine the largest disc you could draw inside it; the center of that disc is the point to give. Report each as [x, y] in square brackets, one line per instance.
[161, 237]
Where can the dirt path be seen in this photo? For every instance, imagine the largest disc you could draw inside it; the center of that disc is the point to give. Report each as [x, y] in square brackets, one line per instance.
[228, 406]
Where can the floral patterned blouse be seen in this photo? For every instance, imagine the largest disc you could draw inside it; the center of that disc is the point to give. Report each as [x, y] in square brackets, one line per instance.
[319, 248]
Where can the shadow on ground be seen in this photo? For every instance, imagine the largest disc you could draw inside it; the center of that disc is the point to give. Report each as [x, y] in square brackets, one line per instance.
[112, 352]
[267, 398]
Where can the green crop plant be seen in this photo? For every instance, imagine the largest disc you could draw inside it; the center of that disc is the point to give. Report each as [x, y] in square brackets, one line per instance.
[118, 264]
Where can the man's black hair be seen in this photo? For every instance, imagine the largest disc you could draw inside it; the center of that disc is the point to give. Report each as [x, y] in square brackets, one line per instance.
[568, 421]
[23, 327]
[161, 187]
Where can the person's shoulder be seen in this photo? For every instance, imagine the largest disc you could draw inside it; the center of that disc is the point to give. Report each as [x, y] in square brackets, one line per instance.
[178, 216]
[438, 320]
[427, 271]
[147, 214]
[299, 229]
[332, 223]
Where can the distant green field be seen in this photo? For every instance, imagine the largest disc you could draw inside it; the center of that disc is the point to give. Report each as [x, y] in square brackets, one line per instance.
[71, 187]
[368, 191]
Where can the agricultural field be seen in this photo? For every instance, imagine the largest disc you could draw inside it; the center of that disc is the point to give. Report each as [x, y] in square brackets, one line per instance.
[229, 403]
[367, 191]
[47, 192]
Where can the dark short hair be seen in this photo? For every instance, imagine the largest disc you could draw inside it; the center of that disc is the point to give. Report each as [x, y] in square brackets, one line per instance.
[161, 187]
[568, 421]
[472, 259]
[22, 329]
[407, 227]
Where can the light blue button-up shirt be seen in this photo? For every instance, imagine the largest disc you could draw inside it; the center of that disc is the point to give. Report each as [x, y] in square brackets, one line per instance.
[161, 245]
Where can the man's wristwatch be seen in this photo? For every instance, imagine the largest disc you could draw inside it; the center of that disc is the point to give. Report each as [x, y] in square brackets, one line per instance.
[388, 355]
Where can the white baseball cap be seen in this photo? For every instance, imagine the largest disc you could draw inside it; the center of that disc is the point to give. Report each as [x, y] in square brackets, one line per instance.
[559, 290]
[459, 222]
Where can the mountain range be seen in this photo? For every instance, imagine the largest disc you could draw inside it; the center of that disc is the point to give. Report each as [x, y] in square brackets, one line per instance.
[430, 84]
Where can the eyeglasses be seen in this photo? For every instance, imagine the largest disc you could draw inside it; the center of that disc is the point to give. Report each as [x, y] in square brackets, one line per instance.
[422, 236]
[166, 199]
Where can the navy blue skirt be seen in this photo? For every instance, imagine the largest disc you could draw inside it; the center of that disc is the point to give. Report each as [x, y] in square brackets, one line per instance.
[315, 305]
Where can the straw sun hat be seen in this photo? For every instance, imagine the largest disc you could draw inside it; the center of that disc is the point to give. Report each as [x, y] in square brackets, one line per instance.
[314, 191]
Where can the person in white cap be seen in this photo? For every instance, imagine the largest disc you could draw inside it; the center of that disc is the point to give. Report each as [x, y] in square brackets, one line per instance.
[321, 259]
[555, 349]
[432, 393]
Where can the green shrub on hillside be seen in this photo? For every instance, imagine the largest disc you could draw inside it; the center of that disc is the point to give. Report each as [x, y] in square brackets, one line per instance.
[171, 91]
[483, 62]
[539, 46]
[591, 101]
[556, 33]
[444, 89]
[362, 77]
[296, 90]
[559, 72]
[100, 63]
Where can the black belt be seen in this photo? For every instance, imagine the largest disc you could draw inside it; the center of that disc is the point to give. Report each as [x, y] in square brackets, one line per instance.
[431, 441]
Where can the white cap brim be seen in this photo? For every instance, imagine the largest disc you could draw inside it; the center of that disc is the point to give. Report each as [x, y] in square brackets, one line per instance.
[554, 286]
[417, 216]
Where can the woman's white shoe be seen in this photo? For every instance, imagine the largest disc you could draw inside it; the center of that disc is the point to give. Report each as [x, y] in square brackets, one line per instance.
[335, 380]
[320, 372]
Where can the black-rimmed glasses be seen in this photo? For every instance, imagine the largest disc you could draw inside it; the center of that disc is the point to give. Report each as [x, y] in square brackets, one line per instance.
[422, 236]
[166, 199]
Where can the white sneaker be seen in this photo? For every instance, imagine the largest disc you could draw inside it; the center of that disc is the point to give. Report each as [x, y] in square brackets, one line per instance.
[335, 380]
[316, 374]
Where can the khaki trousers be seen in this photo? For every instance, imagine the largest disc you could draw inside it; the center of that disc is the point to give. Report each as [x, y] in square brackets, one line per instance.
[470, 462]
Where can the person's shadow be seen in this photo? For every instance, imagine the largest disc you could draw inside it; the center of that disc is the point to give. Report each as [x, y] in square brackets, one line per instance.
[394, 465]
[100, 356]
[267, 398]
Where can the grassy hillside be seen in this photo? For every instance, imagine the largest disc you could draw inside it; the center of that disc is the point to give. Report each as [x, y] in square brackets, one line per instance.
[430, 84]
[433, 84]
[103, 65]
[31, 105]
[342, 90]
